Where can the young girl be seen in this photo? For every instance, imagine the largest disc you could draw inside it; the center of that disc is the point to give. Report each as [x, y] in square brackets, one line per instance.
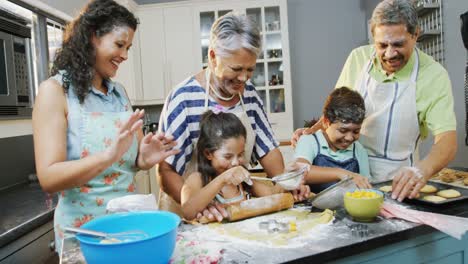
[334, 152]
[220, 176]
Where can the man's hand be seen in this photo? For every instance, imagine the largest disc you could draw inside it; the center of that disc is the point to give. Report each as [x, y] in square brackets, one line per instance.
[298, 133]
[407, 183]
[305, 131]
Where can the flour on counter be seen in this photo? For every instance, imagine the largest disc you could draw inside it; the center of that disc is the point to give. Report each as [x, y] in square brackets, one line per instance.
[309, 226]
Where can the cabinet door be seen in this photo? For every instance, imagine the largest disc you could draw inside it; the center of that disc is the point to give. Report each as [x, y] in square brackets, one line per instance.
[126, 75]
[180, 62]
[152, 48]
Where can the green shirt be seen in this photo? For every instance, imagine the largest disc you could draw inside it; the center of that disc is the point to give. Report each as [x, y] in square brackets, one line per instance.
[434, 99]
[307, 148]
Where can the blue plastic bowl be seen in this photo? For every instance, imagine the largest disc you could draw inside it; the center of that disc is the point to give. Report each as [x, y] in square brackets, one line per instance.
[158, 247]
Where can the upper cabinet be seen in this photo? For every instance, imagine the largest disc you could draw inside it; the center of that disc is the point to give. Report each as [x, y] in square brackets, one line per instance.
[127, 73]
[162, 53]
[272, 77]
[153, 58]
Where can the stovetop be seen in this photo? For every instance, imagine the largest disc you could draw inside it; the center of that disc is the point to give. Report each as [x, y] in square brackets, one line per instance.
[24, 208]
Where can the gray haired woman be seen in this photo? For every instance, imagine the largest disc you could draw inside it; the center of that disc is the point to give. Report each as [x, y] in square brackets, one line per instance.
[224, 85]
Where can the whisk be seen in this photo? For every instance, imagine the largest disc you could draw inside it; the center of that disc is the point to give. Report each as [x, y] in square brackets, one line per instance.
[126, 236]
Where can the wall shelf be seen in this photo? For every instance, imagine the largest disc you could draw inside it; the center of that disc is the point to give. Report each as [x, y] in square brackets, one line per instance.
[431, 39]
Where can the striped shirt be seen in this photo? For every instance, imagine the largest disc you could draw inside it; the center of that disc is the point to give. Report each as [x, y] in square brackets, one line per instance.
[182, 111]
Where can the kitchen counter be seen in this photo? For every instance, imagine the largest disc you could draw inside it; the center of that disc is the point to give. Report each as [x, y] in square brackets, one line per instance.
[25, 207]
[339, 244]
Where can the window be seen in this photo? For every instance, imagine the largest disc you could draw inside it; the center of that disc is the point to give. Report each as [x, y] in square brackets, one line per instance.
[54, 39]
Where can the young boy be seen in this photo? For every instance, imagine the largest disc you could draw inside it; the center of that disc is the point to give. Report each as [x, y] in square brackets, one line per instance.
[334, 152]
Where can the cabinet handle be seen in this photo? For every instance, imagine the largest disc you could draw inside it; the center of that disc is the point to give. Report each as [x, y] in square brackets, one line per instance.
[52, 245]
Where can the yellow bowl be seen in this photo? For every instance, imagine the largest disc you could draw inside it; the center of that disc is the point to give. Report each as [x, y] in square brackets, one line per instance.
[364, 209]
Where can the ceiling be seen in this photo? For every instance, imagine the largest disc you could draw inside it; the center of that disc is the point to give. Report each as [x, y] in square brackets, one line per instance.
[142, 2]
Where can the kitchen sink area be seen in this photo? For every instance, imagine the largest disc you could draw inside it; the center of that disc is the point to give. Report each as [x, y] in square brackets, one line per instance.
[26, 225]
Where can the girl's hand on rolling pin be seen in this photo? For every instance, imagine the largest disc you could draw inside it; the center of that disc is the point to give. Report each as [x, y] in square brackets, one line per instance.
[214, 210]
[301, 193]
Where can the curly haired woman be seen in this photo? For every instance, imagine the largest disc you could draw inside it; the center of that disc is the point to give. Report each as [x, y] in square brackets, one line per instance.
[88, 142]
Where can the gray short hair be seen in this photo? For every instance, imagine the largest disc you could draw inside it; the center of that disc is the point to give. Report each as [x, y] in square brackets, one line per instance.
[395, 12]
[234, 31]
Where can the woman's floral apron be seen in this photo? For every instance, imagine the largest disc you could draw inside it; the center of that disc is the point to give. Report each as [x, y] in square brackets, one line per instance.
[81, 204]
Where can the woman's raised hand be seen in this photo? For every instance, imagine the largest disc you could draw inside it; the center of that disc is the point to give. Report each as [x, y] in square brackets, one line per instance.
[125, 135]
[155, 148]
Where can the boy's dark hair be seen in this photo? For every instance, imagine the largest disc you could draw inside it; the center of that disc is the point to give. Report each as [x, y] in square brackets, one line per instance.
[214, 129]
[77, 55]
[344, 105]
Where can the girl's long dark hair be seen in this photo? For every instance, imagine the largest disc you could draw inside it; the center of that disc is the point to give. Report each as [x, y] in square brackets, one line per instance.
[214, 129]
[77, 55]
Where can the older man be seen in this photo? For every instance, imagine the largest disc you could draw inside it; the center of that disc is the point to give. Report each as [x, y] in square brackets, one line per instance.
[407, 94]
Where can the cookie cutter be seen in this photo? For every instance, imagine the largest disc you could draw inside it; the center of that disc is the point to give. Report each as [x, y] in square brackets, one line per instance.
[274, 226]
[359, 230]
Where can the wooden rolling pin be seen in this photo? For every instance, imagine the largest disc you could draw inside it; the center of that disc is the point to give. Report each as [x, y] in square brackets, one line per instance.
[256, 207]
[260, 206]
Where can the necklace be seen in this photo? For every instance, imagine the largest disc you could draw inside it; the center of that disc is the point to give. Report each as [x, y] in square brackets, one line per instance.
[220, 96]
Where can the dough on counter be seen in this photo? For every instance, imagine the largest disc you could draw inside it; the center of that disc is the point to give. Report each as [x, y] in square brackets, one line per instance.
[428, 189]
[434, 198]
[449, 193]
[386, 188]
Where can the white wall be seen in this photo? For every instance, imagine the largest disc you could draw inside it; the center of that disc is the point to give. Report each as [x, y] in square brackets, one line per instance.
[70, 7]
[456, 58]
[321, 35]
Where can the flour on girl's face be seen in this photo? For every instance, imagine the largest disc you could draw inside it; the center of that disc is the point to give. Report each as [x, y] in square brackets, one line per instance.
[230, 154]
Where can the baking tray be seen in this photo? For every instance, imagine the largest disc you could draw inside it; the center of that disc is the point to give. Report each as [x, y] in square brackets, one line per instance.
[439, 186]
[458, 182]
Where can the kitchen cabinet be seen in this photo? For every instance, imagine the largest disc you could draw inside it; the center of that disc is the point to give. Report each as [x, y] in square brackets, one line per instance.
[151, 36]
[166, 50]
[142, 183]
[34, 247]
[126, 75]
[272, 76]
[147, 183]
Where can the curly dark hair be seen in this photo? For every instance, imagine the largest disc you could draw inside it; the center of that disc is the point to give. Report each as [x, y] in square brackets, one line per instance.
[344, 105]
[214, 129]
[77, 55]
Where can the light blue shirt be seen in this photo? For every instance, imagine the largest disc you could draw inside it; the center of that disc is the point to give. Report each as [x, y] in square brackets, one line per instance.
[307, 149]
[95, 101]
